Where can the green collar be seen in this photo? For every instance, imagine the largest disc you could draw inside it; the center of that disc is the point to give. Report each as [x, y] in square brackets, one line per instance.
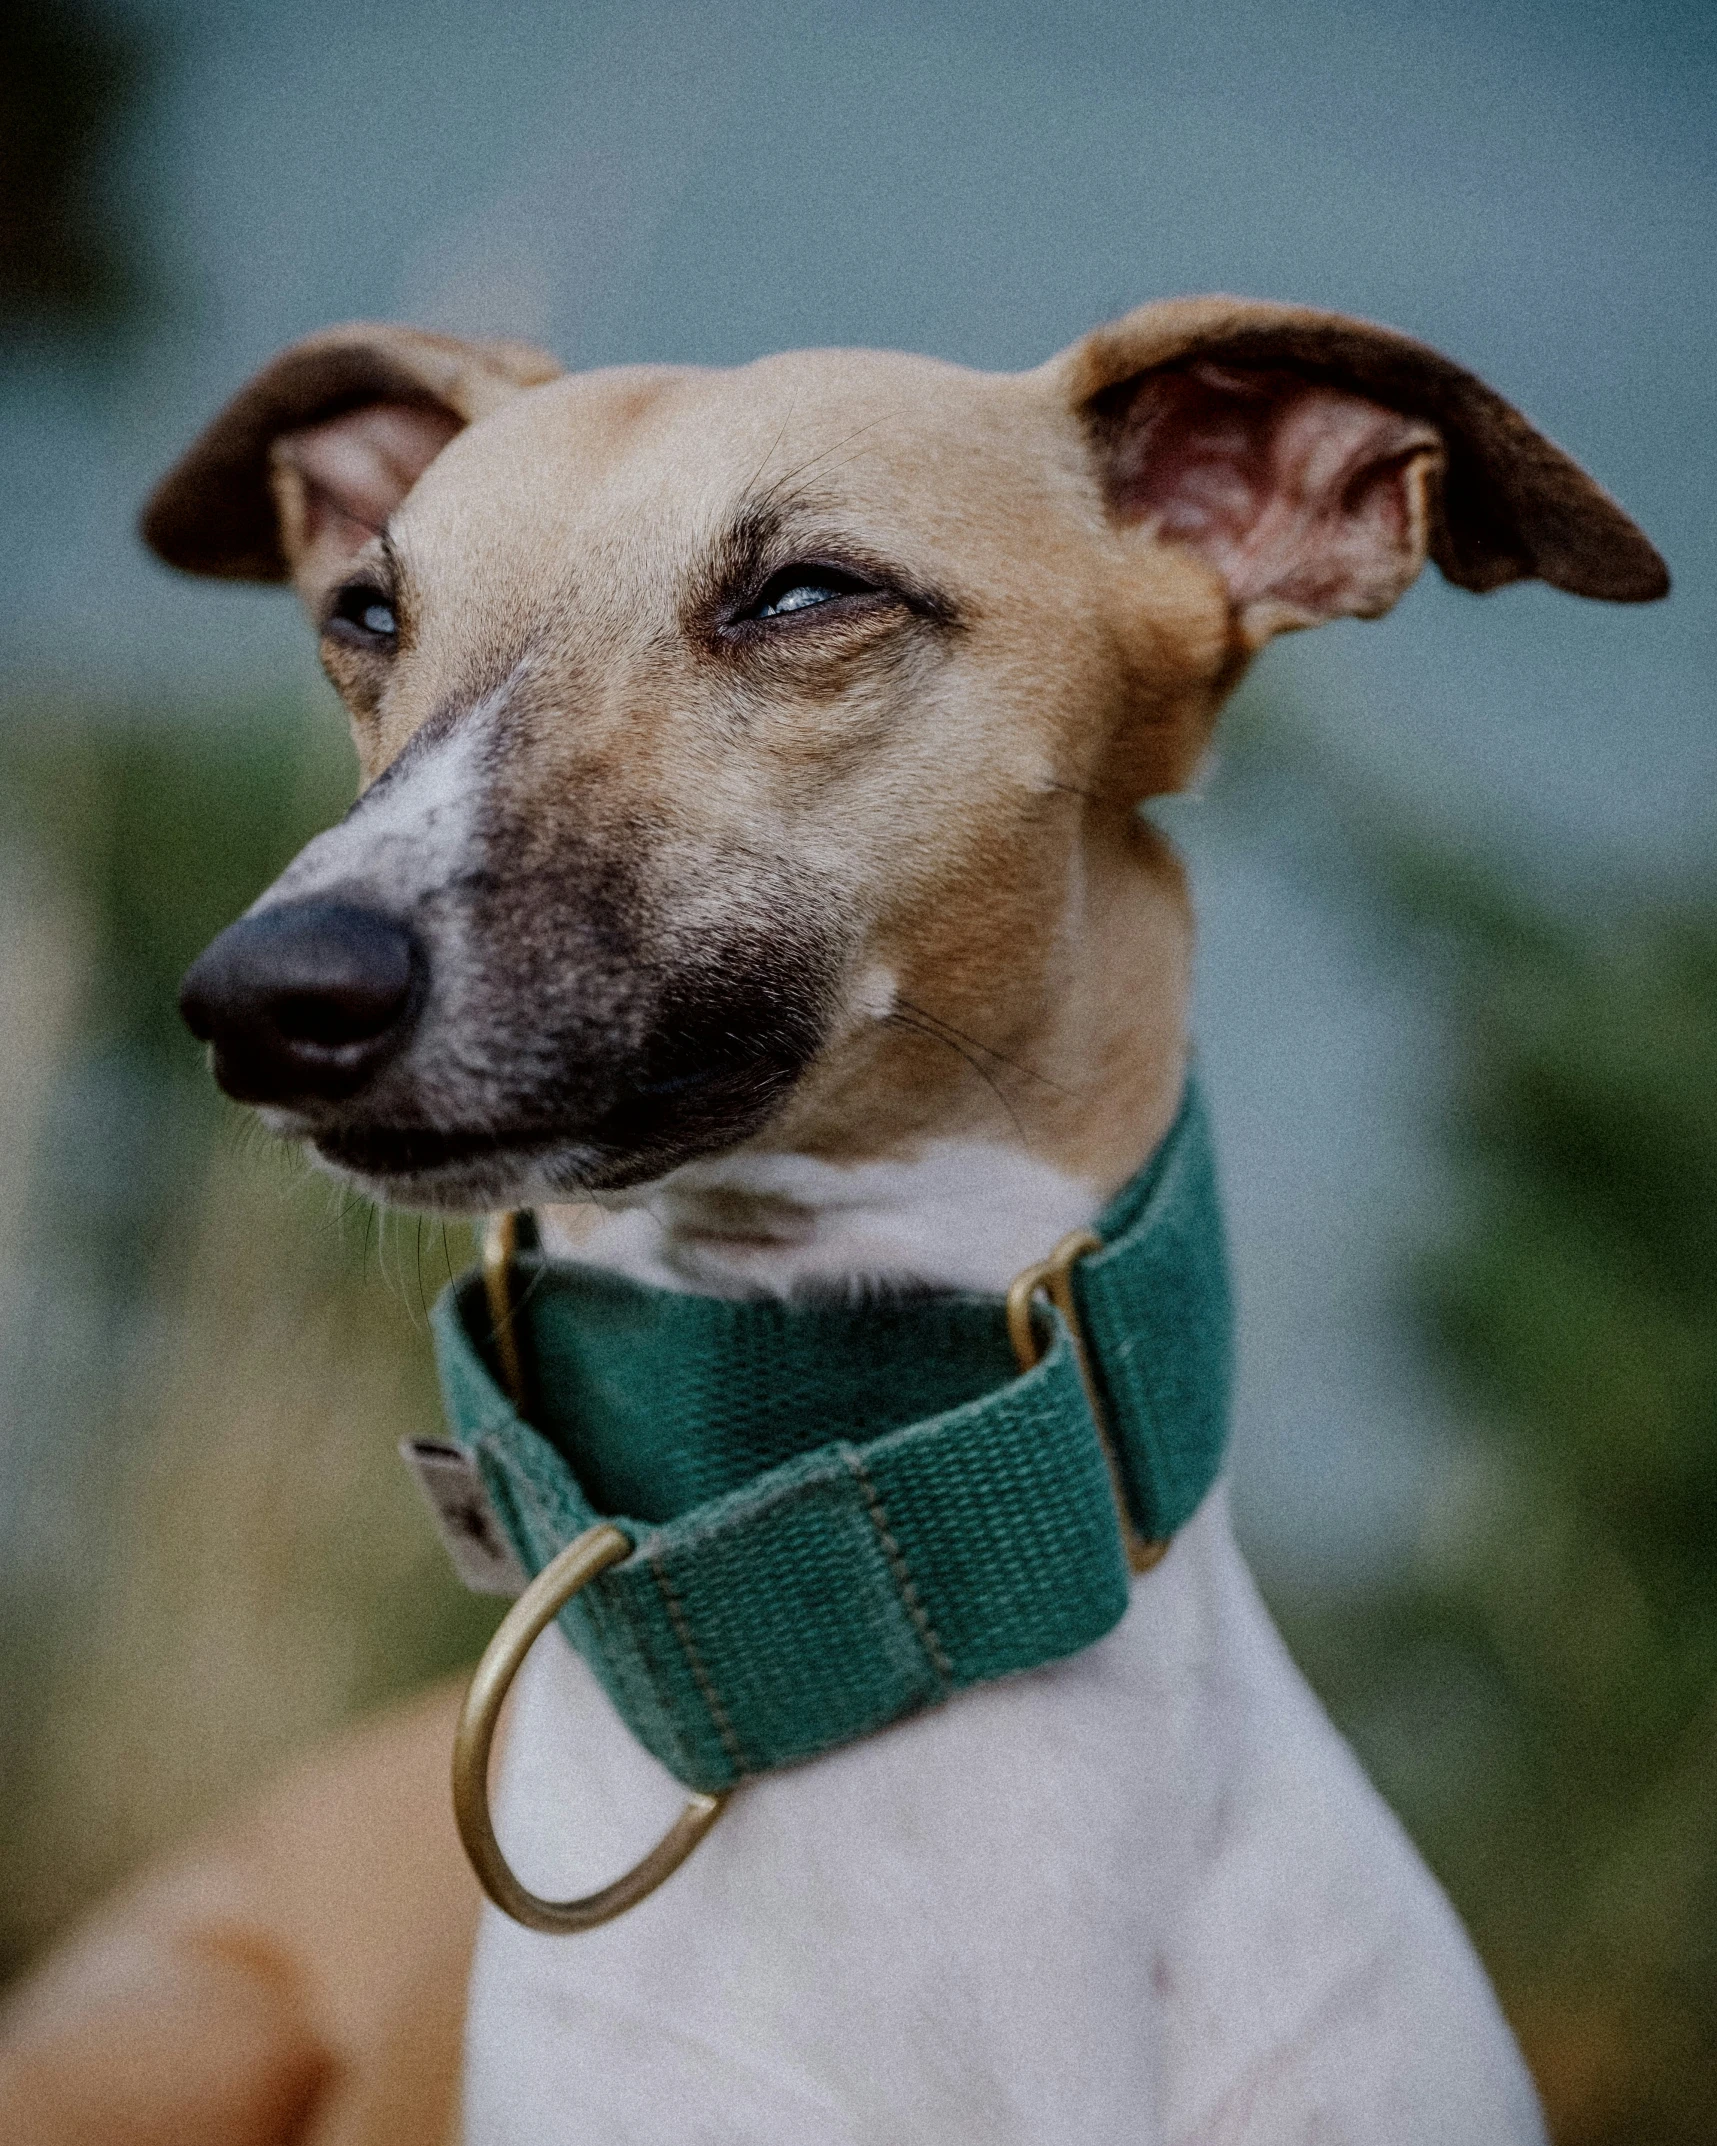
[843, 1512]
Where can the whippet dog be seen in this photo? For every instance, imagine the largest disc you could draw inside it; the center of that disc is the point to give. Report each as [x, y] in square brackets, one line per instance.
[749, 878]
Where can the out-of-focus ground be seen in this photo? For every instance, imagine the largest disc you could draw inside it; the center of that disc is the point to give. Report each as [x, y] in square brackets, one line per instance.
[1458, 989]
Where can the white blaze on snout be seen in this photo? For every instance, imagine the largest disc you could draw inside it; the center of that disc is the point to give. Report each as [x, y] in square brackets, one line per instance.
[410, 834]
[877, 993]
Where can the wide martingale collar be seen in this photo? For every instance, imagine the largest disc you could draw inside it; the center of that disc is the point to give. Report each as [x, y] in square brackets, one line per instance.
[843, 1512]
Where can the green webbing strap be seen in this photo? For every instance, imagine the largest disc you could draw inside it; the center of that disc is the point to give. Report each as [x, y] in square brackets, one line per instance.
[843, 1512]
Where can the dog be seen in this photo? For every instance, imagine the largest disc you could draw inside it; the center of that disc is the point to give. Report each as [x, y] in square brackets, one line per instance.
[748, 877]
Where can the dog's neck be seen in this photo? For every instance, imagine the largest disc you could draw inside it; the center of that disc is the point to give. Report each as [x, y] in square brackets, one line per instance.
[963, 1214]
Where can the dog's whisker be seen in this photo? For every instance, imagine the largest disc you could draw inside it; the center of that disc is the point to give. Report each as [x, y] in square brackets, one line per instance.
[769, 455]
[1014, 1065]
[932, 1035]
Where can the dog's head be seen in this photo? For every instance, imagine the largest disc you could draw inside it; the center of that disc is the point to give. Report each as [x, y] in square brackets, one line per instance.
[749, 753]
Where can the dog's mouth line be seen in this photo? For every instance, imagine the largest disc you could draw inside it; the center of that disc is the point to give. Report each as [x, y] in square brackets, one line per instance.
[416, 1151]
[382, 1151]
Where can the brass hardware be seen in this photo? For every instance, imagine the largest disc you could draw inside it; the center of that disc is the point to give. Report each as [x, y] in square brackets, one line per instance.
[559, 1580]
[1053, 1278]
[500, 1241]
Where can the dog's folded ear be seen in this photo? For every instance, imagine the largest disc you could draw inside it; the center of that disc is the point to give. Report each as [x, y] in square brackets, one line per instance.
[1313, 461]
[309, 459]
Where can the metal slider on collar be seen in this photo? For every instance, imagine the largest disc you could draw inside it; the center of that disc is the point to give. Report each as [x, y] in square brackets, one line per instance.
[598, 1547]
[500, 1248]
[1053, 1278]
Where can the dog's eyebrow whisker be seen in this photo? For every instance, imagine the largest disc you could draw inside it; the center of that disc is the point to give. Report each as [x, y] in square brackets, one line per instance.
[776, 484]
[846, 463]
[932, 1035]
[769, 452]
[1014, 1065]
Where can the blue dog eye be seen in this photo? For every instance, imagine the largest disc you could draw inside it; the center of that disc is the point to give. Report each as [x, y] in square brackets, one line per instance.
[361, 609]
[805, 585]
[801, 597]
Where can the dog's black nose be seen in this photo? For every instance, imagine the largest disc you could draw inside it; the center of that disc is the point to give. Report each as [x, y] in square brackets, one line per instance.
[303, 1003]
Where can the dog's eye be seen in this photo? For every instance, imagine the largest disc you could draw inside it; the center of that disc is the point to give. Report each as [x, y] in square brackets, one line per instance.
[802, 596]
[805, 588]
[363, 614]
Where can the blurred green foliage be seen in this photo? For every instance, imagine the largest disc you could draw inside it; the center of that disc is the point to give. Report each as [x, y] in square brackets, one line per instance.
[1537, 1694]
[70, 79]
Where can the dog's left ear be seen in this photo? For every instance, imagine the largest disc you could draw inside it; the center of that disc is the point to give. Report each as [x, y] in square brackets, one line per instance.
[1313, 461]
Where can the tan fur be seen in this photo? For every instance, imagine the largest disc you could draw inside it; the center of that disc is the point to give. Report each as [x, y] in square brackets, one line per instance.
[298, 1975]
[957, 790]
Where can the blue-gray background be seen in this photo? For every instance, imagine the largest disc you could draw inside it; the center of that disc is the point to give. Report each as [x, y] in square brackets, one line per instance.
[1527, 186]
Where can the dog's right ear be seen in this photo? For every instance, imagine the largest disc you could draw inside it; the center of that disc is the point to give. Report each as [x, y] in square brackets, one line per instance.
[307, 462]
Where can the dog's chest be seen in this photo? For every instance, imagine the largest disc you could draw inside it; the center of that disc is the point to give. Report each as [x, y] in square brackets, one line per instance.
[1085, 1904]
[928, 1935]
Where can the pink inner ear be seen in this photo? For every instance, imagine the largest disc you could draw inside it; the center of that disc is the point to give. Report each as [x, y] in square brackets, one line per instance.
[357, 468]
[1308, 501]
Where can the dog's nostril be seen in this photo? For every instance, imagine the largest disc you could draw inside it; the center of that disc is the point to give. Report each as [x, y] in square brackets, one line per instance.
[302, 1003]
[348, 1013]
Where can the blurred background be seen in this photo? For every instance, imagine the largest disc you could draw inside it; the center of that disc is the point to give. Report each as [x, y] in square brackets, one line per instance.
[1458, 978]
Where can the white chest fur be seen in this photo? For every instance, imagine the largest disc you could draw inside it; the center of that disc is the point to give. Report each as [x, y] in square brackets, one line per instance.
[1141, 1896]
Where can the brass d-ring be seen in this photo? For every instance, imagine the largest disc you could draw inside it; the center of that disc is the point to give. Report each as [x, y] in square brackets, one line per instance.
[559, 1580]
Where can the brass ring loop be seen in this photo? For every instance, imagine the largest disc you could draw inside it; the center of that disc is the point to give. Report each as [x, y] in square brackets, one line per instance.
[559, 1580]
[1053, 1278]
[500, 1242]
